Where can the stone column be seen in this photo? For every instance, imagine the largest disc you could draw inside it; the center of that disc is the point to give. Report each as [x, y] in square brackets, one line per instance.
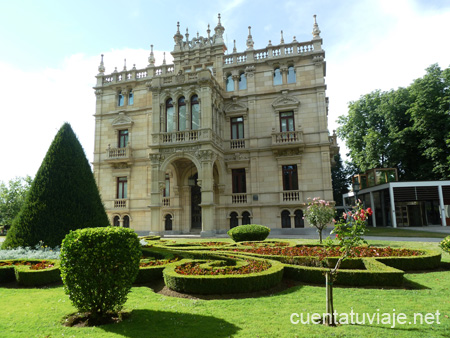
[206, 182]
[156, 226]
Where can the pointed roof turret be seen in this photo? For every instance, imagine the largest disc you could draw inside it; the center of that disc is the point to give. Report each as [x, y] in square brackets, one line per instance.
[101, 67]
[316, 30]
[178, 37]
[219, 30]
[151, 58]
[250, 42]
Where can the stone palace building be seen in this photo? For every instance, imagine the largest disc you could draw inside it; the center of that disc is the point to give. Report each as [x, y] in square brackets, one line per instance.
[217, 139]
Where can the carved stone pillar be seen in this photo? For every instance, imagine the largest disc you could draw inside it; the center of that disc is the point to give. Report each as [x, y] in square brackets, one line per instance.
[206, 181]
[156, 226]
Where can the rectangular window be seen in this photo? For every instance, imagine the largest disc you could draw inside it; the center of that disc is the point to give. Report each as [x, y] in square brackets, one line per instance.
[122, 183]
[290, 177]
[287, 121]
[123, 138]
[237, 128]
[120, 99]
[166, 192]
[130, 98]
[238, 181]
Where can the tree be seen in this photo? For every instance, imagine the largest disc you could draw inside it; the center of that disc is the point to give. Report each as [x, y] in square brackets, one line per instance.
[340, 179]
[319, 214]
[349, 233]
[62, 197]
[407, 128]
[12, 197]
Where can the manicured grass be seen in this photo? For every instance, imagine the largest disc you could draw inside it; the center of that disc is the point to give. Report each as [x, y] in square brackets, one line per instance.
[403, 232]
[37, 312]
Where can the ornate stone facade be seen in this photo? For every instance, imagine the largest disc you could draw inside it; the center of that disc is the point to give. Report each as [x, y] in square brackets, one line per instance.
[214, 140]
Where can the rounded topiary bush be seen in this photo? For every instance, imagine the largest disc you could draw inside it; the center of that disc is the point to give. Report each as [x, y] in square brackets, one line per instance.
[249, 232]
[98, 267]
[445, 244]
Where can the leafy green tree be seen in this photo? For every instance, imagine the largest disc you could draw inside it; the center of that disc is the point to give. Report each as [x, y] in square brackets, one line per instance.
[319, 214]
[407, 128]
[340, 177]
[12, 197]
[62, 197]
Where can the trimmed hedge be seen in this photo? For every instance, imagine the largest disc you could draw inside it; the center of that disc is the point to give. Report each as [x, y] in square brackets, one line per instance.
[375, 274]
[26, 277]
[98, 267]
[151, 273]
[430, 260]
[223, 284]
[249, 232]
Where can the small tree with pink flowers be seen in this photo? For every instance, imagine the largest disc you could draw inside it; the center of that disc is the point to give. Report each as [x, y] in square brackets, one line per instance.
[319, 214]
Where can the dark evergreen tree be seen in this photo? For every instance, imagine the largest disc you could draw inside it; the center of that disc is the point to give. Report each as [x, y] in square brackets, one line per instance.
[340, 179]
[63, 196]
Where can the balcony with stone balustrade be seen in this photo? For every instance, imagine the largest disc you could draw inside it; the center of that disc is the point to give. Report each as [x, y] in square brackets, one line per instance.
[119, 155]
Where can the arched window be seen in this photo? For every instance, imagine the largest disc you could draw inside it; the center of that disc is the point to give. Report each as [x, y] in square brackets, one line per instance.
[168, 222]
[246, 218]
[277, 79]
[116, 221]
[195, 113]
[120, 99]
[181, 114]
[285, 219]
[242, 81]
[126, 221]
[130, 97]
[233, 220]
[291, 75]
[230, 83]
[169, 116]
[298, 219]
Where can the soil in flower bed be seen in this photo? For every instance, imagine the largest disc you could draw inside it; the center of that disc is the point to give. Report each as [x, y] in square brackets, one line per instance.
[320, 251]
[156, 262]
[194, 268]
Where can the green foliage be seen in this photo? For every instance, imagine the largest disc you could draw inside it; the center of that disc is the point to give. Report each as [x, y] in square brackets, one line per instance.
[12, 197]
[340, 177]
[407, 128]
[28, 277]
[319, 213]
[98, 267]
[223, 284]
[445, 244]
[62, 197]
[249, 232]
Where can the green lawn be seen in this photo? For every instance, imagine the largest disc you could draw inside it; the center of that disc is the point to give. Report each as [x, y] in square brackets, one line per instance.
[403, 232]
[38, 312]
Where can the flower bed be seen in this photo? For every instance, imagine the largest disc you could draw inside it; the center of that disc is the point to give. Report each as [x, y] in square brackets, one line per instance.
[195, 268]
[30, 272]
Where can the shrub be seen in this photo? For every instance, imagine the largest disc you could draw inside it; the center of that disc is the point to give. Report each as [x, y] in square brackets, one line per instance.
[98, 267]
[62, 197]
[249, 232]
[445, 244]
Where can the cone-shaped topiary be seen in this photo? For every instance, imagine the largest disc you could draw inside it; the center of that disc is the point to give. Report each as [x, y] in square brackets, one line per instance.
[62, 197]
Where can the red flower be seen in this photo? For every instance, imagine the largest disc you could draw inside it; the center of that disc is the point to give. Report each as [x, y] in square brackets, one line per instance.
[369, 211]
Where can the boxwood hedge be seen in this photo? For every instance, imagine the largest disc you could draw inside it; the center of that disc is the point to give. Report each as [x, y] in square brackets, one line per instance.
[249, 232]
[27, 277]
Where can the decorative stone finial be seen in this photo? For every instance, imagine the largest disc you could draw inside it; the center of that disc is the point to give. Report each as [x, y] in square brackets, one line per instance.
[219, 30]
[282, 39]
[187, 35]
[151, 58]
[270, 43]
[295, 39]
[178, 37]
[316, 30]
[209, 32]
[124, 64]
[234, 48]
[250, 42]
[164, 59]
[101, 67]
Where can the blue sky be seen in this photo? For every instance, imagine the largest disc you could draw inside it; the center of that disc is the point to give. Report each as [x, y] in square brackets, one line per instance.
[50, 51]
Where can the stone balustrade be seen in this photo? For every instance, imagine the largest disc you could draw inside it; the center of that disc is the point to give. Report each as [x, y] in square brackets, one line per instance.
[188, 136]
[120, 204]
[291, 196]
[287, 137]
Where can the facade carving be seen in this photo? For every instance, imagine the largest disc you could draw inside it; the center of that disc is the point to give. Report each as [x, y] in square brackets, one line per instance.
[219, 139]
